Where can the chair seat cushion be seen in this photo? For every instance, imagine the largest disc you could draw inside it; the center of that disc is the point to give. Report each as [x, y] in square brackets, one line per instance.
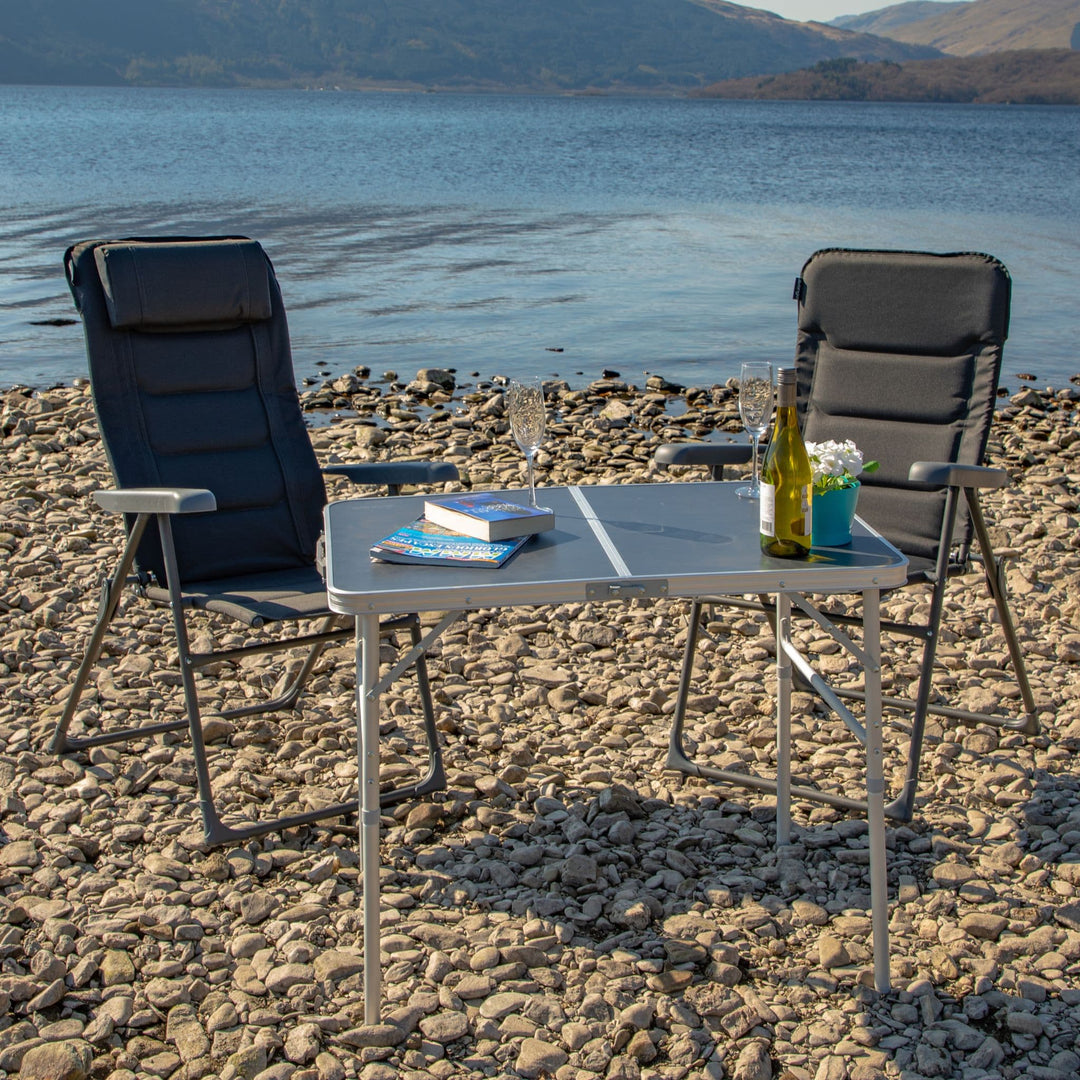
[255, 599]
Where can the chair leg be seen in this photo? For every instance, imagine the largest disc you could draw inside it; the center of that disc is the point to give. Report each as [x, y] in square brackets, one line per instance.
[291, 694]
[995, 582]
[215, 830]
[902, 807]
[679, 759]
[435, 777]
[112, 590]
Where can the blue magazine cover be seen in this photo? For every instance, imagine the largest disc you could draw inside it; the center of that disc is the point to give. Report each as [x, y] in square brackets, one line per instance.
[424, 542]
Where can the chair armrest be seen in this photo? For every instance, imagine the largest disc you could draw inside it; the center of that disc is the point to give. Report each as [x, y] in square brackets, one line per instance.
[949, 474]
[395, 474]
[703, 454]
[156, 500]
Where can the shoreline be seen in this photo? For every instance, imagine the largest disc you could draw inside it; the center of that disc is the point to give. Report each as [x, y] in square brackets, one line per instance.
[359, 392]
[568, 908]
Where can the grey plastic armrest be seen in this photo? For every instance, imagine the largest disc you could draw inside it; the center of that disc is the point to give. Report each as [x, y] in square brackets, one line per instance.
[703, 454]
[397, 473]
[947, 474]
[156, 500]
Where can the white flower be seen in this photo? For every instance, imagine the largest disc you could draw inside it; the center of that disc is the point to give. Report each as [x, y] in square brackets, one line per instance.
[836, 464]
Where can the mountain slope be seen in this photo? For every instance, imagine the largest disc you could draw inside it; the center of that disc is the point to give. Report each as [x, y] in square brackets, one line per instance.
[519, 44]
[985, 26]
[885, 21]
[1031, 77]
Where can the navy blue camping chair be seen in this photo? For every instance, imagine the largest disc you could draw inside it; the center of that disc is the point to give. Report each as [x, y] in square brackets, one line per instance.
[900, 352]
[192, 379]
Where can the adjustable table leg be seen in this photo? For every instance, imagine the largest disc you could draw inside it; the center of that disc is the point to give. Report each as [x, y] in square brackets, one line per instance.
[783, 720]
[367, 742]
[875, 788]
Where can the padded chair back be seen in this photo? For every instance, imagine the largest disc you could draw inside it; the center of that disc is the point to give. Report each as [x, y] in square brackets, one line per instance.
[193, 384]
[901, 352]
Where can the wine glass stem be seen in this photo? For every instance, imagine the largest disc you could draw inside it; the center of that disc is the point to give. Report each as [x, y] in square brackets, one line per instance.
[754, 481]
[532, 485]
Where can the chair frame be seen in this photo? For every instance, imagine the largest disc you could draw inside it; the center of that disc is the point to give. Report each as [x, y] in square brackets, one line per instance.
[215, 830]
[141, 506]
[962, 484]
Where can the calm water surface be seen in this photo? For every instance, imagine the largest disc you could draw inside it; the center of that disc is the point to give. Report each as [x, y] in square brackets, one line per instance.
[485, 232]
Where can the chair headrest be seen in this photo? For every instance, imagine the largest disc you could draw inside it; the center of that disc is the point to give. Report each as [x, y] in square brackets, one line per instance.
[184, 285]
[906, 301]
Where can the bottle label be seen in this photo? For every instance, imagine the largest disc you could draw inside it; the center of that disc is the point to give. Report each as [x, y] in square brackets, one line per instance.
[767, 503]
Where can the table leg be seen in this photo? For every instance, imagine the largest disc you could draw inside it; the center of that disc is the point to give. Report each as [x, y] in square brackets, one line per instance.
[783, 720]
[875, 789]
[367, 743]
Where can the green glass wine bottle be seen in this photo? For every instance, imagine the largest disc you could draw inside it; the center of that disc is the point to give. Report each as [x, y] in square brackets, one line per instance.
[786, 480]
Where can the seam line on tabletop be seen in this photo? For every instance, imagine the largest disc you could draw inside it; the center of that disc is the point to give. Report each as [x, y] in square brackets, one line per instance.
[597, 526]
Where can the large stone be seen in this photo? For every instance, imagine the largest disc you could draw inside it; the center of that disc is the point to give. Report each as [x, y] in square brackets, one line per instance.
[538, 1058]
[336, 964]
[281, 979]
[53, 994]
[20, 853]
[64, 1060]
[165, 993]
[952, 875]
[257, 906]
[984, 925]
[832, 952]
[117, 968]
[186, 1033]
[445, 1027]
[373, 1035]
[302, 1043]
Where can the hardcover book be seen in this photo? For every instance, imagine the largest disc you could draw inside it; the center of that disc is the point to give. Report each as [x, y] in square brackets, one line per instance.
[488, 515]
[426, 543]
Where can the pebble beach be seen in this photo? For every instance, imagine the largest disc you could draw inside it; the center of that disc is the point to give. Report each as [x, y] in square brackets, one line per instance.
[568, 908]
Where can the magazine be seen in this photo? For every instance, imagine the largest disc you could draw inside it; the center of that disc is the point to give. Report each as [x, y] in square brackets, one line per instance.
[425, 543]
[488, 515]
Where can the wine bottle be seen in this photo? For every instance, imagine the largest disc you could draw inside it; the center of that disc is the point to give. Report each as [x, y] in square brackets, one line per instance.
[786, 480]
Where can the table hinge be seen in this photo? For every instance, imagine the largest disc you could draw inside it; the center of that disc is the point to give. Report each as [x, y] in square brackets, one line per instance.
[627, 590]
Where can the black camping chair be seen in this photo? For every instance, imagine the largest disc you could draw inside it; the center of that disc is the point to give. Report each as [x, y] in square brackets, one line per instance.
[192, 378]
[900, 352]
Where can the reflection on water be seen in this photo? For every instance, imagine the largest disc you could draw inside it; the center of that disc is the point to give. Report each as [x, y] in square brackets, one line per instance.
[484, 232]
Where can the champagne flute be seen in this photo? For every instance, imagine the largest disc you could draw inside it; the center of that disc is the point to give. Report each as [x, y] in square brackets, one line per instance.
[525, 398]
[755, 408]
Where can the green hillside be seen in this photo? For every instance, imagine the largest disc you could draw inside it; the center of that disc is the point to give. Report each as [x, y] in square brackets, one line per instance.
[1031, 77]
[657, 45]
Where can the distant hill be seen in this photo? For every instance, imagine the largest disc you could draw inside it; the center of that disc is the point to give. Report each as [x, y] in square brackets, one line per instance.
[885, 21]
[1028, 77]
[637, 45]
[981, 26]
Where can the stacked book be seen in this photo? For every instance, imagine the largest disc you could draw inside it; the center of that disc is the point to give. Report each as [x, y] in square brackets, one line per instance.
[481, 529]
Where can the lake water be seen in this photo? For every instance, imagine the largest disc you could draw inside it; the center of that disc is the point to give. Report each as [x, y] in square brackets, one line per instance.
[484, 232]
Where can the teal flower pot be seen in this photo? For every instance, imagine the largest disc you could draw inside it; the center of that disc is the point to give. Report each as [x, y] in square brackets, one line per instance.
[834, 512]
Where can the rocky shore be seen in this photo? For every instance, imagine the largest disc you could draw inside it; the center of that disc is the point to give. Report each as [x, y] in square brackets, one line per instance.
[567, 908]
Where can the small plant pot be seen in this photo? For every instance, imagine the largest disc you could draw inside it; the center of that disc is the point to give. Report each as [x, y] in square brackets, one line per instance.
[834, 513]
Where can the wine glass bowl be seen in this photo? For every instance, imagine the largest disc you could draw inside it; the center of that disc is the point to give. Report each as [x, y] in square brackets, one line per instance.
[755, 410]
[525, 404]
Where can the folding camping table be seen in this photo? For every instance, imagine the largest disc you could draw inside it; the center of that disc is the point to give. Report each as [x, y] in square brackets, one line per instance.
[619, 542]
